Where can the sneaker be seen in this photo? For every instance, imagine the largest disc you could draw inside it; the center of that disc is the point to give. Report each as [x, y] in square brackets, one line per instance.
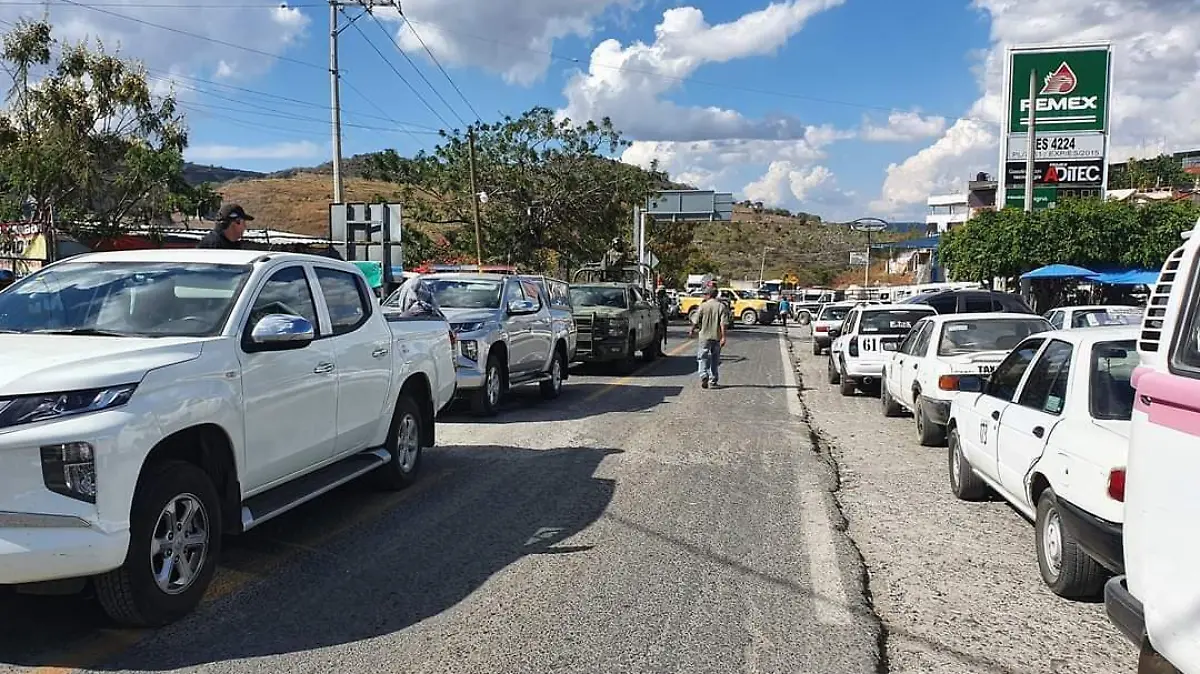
[703, 382]
[715, 385]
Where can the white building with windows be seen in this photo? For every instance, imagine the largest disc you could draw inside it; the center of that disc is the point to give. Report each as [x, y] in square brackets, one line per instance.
[946, 211]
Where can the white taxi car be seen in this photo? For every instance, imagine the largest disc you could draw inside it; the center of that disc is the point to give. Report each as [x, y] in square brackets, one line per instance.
[1049, 432]
[866, 340]
[1094, 315]
[920, 375]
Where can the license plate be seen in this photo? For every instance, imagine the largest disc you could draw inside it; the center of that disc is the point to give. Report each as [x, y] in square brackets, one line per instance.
[890, 346]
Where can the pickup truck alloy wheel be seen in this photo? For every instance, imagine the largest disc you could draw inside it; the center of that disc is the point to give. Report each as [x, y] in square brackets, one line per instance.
[486, 400]
[552, 387]
[493, 385]
[175, 529]
[180, 545]
[404, 443]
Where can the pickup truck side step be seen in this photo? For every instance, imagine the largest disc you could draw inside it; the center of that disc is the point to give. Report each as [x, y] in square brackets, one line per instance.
[528, 378]
[273, 503]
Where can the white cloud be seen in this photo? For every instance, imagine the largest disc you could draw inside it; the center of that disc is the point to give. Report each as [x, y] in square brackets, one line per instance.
[265, 28]
[627, 83]
[286, 150]
[1156, 87]
[510, 37]
[904, 126]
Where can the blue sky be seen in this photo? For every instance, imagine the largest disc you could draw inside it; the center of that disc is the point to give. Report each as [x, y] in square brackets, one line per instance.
[838, 107]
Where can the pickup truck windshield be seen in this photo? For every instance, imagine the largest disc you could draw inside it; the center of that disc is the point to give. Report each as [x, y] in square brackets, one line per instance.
[125, 299]
[465, 293]
[1112, 366]
[889, 322]
[959, 337]
[582, 296]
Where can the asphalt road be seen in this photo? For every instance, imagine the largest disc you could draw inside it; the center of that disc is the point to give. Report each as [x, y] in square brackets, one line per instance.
[637, 524]
[956, 584]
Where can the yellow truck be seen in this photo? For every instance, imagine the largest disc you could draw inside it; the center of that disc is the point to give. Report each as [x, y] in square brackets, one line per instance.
[743, 304]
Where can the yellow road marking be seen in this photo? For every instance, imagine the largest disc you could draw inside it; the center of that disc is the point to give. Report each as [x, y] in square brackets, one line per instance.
[107, 644]
[625, 380]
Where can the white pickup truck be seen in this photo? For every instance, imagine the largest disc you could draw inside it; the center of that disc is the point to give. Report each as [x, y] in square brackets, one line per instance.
[153, 401]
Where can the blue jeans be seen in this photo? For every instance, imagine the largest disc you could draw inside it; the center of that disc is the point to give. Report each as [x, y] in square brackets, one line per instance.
[708, 355]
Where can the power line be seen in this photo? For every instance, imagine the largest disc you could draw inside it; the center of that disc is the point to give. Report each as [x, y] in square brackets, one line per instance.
[403, 53]
[438, 63]
[165, 5]
[395, 70]
[231, 45]
[277, 114]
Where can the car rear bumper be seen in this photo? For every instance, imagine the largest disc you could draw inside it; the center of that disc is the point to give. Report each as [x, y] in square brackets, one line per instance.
[67, 549]
[1124, 610]
[1100, 539]
[936, 411]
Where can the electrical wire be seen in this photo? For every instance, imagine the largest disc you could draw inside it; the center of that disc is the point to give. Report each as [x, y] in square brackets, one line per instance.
[403, 53]
[398, 74]
[433, 58]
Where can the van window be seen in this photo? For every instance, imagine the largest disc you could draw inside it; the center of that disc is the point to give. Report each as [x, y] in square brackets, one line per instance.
[1046, 389]
[1186, 354]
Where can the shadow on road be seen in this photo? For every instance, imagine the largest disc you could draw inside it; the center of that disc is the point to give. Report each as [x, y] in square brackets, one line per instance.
[382, 563]
[579, 400]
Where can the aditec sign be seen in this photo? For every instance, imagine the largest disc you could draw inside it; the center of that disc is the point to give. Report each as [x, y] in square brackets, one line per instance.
[1070, 115]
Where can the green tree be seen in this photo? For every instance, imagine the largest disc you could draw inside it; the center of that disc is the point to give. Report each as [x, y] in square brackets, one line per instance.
[551, 185]
[1162, 171]
[87, 141]
[1083, 232]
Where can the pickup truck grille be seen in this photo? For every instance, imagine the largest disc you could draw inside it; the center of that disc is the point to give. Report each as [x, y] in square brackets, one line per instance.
[583, 341]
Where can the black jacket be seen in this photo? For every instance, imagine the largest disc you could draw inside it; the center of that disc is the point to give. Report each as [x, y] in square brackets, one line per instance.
[216, 239]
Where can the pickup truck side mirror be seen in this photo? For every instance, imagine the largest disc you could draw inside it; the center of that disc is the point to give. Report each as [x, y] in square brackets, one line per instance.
[280, 332]
[521, 307]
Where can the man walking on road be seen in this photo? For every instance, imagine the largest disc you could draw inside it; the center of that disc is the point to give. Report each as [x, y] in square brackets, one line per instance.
[710, 321]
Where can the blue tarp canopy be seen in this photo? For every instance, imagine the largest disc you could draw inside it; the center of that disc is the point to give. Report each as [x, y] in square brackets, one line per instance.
[1061, 271]
[1128, 277]
[912, 244]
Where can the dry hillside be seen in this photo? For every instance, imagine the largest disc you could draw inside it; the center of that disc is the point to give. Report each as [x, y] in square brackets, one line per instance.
[300, 203]
[818, 253]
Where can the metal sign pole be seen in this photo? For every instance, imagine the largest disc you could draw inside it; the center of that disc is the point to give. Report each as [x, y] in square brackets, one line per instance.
[1030, 141]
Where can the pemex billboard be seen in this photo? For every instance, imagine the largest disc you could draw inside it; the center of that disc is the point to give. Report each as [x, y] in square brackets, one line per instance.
[1071, 121]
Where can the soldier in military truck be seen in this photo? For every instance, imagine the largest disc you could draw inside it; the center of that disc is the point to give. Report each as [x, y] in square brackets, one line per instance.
[616, 321]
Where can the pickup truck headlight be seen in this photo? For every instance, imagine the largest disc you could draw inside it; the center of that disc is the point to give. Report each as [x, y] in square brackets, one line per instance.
[42, 406]
[617, 326]
[468, 327]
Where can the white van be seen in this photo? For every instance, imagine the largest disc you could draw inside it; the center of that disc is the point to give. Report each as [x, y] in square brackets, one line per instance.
[1156, 604]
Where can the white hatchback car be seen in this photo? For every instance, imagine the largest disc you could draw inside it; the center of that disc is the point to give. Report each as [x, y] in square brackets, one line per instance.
[920, 375]
[1049, 432]
[866, 340]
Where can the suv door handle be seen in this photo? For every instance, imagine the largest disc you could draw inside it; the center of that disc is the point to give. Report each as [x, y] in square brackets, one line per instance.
[323, 368]
[379, 352]
[1038, 431]
[996, 415]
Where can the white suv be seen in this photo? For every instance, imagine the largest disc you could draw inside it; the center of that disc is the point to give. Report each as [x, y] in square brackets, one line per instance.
[867, 339]
[153, 401]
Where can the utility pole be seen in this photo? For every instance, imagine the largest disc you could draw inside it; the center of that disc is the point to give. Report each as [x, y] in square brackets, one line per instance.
[335, 100]
[762, 268]
[867, 268]
[474, 196]
[1031, 142]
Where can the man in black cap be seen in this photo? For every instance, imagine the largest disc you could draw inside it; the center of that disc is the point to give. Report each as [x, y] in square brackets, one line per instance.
[231, 225]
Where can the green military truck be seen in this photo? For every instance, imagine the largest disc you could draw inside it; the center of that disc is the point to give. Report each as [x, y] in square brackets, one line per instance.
[616, 319]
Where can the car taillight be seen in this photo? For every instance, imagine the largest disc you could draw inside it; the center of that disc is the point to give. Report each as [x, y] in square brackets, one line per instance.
[948, 382]
[1116, 484]
[853, 346]
[820, 328]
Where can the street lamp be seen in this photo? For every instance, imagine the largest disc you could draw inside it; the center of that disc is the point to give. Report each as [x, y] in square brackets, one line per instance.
[870, 226]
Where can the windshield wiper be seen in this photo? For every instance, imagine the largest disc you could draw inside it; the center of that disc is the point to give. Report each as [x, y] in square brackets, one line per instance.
[90, 332]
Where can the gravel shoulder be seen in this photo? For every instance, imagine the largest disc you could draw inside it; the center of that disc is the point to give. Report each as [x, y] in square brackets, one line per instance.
[956, 584]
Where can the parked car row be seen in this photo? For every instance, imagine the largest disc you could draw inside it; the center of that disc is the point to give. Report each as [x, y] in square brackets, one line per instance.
[1085, 420]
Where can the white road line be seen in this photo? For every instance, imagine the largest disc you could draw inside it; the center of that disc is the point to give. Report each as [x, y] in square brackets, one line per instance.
[831, 601]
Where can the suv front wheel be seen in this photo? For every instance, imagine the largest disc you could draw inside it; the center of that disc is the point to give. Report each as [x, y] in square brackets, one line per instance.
[175, 541]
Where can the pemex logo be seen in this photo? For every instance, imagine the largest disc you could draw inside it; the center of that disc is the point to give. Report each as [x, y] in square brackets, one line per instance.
[1060, 82]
